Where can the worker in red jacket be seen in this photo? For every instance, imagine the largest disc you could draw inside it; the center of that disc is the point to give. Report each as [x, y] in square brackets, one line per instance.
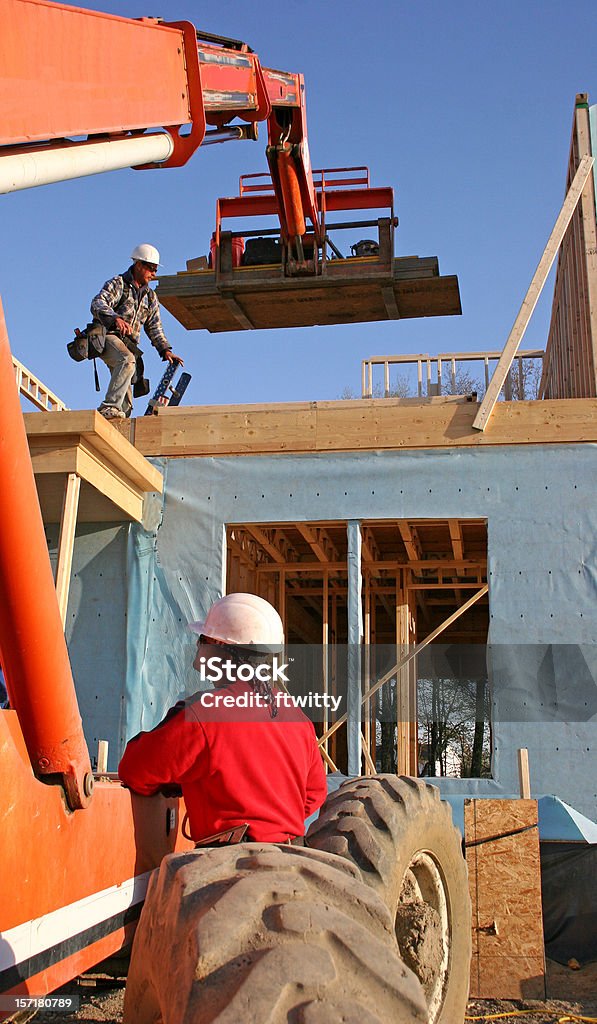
[242, 753]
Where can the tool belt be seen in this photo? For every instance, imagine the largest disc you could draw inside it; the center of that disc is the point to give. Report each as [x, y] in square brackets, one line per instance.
[88, 343]
[230, 837]
[239, 834]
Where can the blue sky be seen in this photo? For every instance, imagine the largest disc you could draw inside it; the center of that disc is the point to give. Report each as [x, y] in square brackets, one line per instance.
[464, 108]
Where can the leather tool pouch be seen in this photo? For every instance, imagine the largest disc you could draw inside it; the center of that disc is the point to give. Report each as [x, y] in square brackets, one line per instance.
[230, 837]
[88, 343]
[141, 384]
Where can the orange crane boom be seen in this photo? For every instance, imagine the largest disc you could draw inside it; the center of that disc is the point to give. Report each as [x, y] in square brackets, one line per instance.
[73, 103]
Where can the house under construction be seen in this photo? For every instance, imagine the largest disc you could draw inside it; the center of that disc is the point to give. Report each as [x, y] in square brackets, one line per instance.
[431, 555]
[429, 548]
[392, 523]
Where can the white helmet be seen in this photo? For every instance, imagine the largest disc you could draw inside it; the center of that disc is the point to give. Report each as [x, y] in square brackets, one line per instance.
[243, 620]
[147, 253]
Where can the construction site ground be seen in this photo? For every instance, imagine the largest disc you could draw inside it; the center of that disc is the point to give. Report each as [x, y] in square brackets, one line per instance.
[102, 998]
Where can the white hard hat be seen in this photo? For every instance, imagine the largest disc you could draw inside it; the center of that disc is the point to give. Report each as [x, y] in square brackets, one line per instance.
[243, 620]
[147, 253]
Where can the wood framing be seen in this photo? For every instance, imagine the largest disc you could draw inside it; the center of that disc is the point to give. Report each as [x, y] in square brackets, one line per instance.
[66, 541]
[570, 365]
[302, 567]
[32, 388]
[402, 662]
[534, 291]
[84, 471]
[114, 476]
[384, 424]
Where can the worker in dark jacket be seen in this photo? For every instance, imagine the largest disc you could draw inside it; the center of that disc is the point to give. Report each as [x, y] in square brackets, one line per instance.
[242, 753]
[125, 304]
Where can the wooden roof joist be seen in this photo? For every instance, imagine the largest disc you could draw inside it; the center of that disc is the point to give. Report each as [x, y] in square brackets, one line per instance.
[353, 290]
[446, 549]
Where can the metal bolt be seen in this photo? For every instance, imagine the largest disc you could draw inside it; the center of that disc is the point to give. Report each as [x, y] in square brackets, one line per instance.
[88, 784]
[43, 762]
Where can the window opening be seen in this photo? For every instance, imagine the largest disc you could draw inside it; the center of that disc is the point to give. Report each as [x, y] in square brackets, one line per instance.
[421, 579]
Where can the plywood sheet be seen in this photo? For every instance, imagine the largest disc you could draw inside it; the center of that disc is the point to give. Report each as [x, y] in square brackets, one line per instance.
[261, 298]
[502, 849]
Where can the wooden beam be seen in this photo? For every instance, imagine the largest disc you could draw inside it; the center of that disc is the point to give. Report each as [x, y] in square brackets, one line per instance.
[282, 598]
[244, 546]
[524, 776]
[407, 658]
[262, 538]
[589, 224]
[411, 541]
[328, 759]
[390, 564]
[319, 541]
[378, 424]
[90, 427]
[389, 301]
[90, 466]
[369, 762]
[237, 312]
[102, 757]
[456, 538]
[403, 711]
[325, 654]
[534, 291]
[451, 585]
[66, 541]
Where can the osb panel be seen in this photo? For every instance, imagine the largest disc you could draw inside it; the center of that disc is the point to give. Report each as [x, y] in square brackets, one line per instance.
[502, 844]
[504, 978]
[494, 817]
[509, 893]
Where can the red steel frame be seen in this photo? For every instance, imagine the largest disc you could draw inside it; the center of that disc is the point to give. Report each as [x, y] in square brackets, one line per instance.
[258, 198]
[68, 72]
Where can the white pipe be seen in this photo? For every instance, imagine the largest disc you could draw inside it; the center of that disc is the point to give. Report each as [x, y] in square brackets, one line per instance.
[46, 166]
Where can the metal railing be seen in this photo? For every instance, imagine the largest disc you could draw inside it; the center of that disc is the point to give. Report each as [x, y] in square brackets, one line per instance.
[446, 377]
[32, 388]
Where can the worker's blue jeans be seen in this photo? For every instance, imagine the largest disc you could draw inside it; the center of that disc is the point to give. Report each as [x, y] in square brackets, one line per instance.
[122, 364]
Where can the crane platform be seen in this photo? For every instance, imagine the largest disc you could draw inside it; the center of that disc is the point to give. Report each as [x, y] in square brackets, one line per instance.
[353, 290]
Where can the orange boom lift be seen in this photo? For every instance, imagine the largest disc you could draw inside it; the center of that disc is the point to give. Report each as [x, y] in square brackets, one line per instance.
[71, 106]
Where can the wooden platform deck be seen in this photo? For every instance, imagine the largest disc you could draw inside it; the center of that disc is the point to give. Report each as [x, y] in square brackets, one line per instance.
[355, 290]
[374, 424]
[114, 476]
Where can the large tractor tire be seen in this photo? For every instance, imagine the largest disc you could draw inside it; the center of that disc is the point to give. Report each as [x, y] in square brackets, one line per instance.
[401, 837]
[262, 934]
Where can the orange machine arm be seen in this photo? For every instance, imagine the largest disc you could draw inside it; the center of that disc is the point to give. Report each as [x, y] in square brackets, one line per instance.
[75, 96]
[33, 651]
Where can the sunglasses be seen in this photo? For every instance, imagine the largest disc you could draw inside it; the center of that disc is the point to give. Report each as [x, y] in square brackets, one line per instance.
[150, 266]
[211, 641]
